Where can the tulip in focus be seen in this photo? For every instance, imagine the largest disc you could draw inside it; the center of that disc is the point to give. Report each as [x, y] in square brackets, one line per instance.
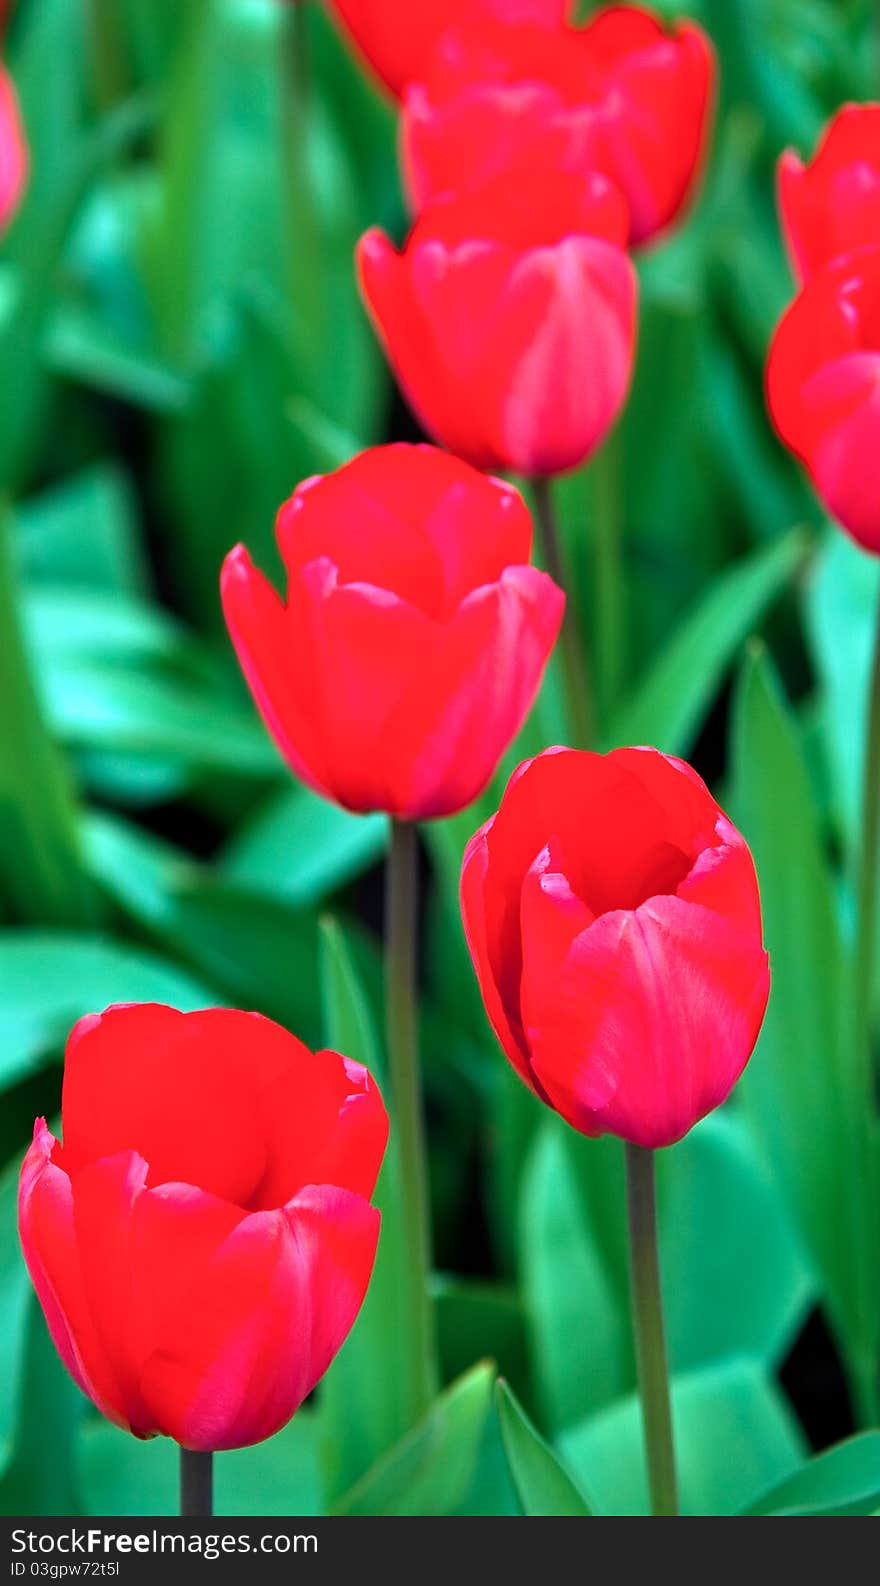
[414, 635]
[509, 318]
[823, 389]
[623, 96]
[397, 37]
[13, 151]
[202, 1240]
[613, 919]
[831, 205]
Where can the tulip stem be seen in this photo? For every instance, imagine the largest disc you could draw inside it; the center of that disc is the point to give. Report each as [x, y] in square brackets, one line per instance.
[609, 611]
[196, 1484]
[575, 662]
[401, 923]
[647, 1318]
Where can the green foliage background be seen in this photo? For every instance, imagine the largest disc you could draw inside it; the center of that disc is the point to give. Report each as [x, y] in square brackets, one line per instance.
[180, 343]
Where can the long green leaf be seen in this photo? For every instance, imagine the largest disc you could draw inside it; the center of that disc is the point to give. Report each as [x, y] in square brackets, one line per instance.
[668, 707]
[542, 1483]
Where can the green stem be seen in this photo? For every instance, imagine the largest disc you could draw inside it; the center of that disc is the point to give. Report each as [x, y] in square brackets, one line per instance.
[401, 910]
[647, 1319]
[609, 608]
[106, 51]
[196, 1484]
[306, 267]
[575, 663]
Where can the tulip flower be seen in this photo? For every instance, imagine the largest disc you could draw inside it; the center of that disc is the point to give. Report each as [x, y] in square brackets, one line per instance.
[623, 96]
[823, 389]
[397, 38]
[831, 205]
[509, 318]
[613, 919]
[202, 1240]
[13, 151]
[414, 634]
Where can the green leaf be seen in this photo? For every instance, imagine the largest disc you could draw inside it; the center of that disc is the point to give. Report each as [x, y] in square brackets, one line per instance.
[430, 1471]
[14, 1292]
[41, 1476]
[569, 1286]
[801, 1090]
[257, 952]
[720, 1216]
[668, 707]
[734, 1436]
[123, 1476]
[363, 1406]
[841, 618]
[48, 980]
[542, 1484]
[301, 847]
[476, 1319]
[843, 1480]
[42, 875]
[83, 532]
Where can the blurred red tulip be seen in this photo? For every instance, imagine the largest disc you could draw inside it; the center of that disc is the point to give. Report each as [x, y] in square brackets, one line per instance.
[509, 318]
[622, 96]
[398, 37]
[613, 918]
[823, 389]
[414, 636]
[832, 205]
[202, 1241]
[13, 151]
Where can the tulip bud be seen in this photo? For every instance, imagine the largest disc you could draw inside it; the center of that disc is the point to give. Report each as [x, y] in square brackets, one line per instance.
[613, 919]
[622, 96]
[202, 1240]
[398, 37]
[414, 635]
[509, 318]
[823, 389]
[831, 205]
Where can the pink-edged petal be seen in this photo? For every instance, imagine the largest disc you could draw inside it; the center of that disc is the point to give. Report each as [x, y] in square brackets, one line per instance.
[650, 1022]
[477, 684]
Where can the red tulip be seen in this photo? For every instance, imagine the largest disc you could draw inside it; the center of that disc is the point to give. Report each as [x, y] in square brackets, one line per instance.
[398, 37]
[622, 96]
[832, 205]
[612, 914]
[509, 318]
[414, 636]
[203, 1239]
[823, 389]
[13, 151]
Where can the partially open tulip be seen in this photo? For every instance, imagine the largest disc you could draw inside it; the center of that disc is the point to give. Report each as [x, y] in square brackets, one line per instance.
[13, 151]
[509, 318]
[823, 389]
[202, 1240]
[414, 634]
[398, 37]
[624, 96]
[831, 205]
[612, 915]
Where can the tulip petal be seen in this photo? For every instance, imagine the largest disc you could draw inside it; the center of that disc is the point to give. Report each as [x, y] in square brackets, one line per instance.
[650, 1021]
[275, 664]
[48, 1239]
[243, 1325]
[496, 648]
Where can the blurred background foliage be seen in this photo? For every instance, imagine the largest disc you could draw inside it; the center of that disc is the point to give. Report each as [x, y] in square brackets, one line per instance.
[180, 343]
